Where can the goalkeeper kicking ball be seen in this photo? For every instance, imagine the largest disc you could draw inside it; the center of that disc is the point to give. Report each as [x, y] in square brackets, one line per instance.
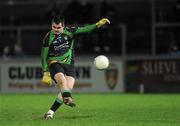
[101, 62]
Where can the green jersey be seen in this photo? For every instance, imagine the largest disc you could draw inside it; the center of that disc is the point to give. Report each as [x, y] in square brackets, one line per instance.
[61, 47]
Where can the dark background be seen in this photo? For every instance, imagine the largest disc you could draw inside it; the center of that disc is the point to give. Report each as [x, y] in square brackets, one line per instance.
[138, 27]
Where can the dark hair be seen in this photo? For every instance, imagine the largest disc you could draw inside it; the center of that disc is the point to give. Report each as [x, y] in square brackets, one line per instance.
[57, 19]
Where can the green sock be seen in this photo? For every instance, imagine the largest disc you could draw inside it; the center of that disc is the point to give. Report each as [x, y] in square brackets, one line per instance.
[57, 103]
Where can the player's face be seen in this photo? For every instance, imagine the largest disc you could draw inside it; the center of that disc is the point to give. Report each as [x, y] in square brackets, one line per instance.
[57, 28]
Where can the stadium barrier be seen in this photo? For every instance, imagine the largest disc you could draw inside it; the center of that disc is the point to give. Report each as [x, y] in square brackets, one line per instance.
[139, 74]
[152, 75]
[24, 76]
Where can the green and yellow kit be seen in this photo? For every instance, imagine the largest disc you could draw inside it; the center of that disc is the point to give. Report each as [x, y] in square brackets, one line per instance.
[60, 48]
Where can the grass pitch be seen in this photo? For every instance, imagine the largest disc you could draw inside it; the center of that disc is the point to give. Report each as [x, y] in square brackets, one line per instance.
[91, 110]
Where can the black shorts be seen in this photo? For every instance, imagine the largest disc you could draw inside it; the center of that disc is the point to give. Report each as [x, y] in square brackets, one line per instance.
[67, 69]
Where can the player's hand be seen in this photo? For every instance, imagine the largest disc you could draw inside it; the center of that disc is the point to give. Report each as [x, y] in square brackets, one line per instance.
[102, 22]
[47, 78]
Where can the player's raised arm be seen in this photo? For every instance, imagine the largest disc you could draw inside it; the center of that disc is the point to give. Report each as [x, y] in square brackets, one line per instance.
[89, 28]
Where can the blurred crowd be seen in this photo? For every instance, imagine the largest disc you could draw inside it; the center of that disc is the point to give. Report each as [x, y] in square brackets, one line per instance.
[135, 17]
[75, 13]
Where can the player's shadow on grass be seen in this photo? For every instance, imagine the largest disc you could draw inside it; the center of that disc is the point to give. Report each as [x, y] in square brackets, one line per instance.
[35, 117]
[76, 117]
